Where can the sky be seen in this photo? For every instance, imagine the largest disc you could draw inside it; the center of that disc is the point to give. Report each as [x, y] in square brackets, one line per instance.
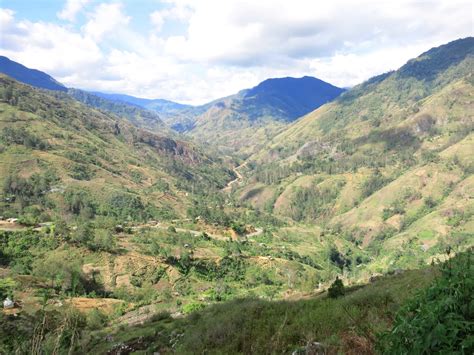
[194, 51]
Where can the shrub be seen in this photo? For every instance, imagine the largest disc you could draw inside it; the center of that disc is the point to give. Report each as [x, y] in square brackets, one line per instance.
[374, 183]
[126, 206]
[103, 241]
[30, 190]
[397, 207]
[162, 315]
[11, 135]
[7, 285]
[81, 172]
[79, 202]
[439, 319]
[96, 319]
[63, 268]
[192, 307]
[430, 202]
[337, 289]
[238, 227]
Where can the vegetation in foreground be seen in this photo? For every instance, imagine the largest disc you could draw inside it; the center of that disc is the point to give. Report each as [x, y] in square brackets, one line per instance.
[421, 311]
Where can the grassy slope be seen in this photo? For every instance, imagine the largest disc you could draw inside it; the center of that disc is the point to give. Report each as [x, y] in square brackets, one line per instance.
[137, 115]
[119, 156]
[233, 131]
[414, 126]
[347, 325]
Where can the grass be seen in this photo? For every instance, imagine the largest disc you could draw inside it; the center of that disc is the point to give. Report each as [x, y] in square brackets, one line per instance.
[349, 324]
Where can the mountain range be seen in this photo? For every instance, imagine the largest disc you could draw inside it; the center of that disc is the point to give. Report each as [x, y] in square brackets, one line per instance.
[145, 225]
[164, 108]
[259, 111]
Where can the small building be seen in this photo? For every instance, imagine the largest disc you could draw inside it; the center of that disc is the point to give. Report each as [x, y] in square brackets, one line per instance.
[8, 303]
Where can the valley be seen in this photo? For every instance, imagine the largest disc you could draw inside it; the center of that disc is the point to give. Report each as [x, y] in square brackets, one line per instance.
[135, 225]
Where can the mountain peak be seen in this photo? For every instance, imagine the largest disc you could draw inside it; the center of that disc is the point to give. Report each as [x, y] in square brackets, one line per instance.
[291, 97]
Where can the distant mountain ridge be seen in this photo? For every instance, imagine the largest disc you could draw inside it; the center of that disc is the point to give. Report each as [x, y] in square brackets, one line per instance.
[283, 99]
[240, 123]
[240, 120]
[161, 106]
[136, 114]
[29, 76]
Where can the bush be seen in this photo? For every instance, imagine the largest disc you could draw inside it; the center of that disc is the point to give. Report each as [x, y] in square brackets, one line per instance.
[337, 289]
[7, 285]
[239, 228]
[374, 183]
[192, 307]
[79, 202]
[30, 190]
[63, 268]
[439, 319]
[430, 202]
[21, 136]
[96, 319]
[126, 206]
[81, 172]
[103, 241]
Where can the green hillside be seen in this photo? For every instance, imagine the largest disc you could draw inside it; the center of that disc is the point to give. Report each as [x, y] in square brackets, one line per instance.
[357, 323]
[387, 166]
[53, 146]
[135, 114]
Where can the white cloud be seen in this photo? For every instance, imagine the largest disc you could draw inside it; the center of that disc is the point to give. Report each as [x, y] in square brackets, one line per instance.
[351, 69]
[224, 46]
[71, 9]
[105, 20]
[157, 18]
[269, 31]
[47, 46]
[178, 11]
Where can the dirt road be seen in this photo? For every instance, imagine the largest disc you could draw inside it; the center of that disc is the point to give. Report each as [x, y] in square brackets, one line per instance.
[238, 179]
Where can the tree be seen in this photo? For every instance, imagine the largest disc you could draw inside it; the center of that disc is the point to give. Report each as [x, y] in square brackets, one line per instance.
[103, 240]
[337, 288]
[62, 268]
[337, 258]
[7, 285]
[238, 227]
[83, 235]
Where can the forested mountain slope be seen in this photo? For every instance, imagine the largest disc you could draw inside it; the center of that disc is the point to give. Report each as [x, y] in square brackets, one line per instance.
[139, 116]
[164, 108]
[53, 147]
[388, 165]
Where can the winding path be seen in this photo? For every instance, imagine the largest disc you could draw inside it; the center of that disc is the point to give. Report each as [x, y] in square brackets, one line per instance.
[238, 179]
